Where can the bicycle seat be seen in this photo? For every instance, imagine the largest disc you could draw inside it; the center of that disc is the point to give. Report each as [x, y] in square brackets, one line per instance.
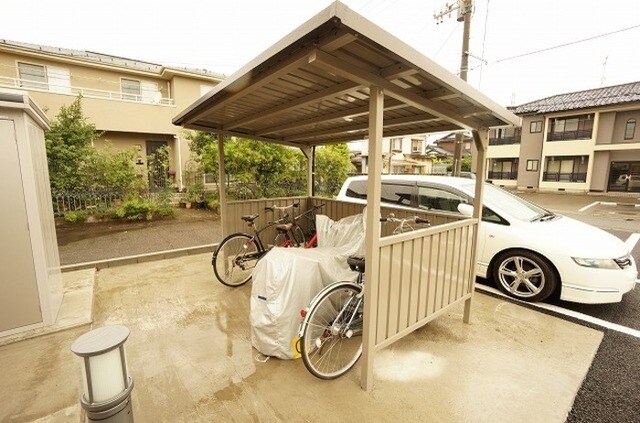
[356, 263]
[285, 227]
[249, 217]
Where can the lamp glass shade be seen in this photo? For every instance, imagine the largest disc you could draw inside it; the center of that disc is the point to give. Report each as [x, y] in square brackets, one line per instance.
[107, 380]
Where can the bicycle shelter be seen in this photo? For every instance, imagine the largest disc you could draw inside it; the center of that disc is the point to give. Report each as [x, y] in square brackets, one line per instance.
[337, 78]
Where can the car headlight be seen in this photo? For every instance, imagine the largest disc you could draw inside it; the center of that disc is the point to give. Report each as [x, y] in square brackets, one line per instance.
[596, 263]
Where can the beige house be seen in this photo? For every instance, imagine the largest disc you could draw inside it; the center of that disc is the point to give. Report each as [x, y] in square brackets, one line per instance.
[401, 155]
[581, 141]
[132, 101]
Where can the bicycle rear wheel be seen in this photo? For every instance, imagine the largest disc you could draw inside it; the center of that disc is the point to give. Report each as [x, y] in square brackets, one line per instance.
[331, 341]
[235, 258]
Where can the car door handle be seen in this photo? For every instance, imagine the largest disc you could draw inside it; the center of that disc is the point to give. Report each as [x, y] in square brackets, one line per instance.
[492, 236]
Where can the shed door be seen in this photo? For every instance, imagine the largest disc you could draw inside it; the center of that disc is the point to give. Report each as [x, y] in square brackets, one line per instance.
[19, 301]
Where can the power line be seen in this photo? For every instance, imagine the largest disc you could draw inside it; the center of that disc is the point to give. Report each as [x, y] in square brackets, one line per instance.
[484, 39]
[567, 44]
[517, 56]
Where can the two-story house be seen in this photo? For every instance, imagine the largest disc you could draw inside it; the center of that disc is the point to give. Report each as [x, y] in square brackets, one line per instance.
[402, 155]
[581, 141]
[131, 101]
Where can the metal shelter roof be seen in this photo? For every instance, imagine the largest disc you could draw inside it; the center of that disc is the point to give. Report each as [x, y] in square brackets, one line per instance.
[312, 87]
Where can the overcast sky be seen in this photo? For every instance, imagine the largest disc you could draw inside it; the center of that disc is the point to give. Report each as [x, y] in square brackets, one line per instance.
[224, 35]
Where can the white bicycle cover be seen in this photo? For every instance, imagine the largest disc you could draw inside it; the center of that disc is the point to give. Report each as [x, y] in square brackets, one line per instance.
[285, 281]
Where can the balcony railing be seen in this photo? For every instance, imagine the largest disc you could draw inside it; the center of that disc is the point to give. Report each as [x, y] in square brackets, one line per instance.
[85, 92]
[564, 177]
[581, 134]
[503, 175]
[505, 141]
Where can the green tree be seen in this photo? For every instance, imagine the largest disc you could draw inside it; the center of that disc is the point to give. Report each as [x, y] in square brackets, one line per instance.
[274, 168]
[333, 166]
[109, 169]
[69, 144]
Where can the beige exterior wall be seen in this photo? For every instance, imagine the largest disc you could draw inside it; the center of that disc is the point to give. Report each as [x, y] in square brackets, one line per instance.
[126, 123]
[600, 169]
[605, 128]
[530, 149]
[620, 124]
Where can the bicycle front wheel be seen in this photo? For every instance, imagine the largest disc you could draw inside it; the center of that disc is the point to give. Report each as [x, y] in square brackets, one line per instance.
[235, 258]
[331, 341]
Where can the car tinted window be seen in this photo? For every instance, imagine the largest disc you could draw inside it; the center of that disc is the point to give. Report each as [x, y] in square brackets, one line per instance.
[397, 194]
[357, 189]
[391, 193]
[430, 198]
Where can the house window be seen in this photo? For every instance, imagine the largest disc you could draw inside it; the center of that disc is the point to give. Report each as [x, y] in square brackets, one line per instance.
[571, 128]
[130, 89]
[416, 146]
[532, 165]
[44, 78]
[630, 129]
[143, 91]
[503, 168]
[566, 169]
[396, 144]
[504, 136]
[33, 76]
[535, 127]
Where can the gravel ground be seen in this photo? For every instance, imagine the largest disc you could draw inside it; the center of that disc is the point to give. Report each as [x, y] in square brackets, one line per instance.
[104, 240]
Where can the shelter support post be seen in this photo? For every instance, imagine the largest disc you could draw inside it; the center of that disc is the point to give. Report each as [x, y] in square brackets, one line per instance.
[372, 236]
[222, 187]
[481, 141]
[309, 153]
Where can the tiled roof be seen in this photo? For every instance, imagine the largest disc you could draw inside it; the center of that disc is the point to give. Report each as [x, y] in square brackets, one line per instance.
[91, 56]
[598, 97]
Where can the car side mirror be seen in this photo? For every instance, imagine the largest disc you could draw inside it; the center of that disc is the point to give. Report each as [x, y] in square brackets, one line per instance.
[465, 209]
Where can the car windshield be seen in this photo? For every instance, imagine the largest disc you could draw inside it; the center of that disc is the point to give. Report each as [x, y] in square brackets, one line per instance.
[512, 204]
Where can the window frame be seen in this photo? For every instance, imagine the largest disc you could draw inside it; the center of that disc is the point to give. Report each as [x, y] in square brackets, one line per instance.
[533, 168]
[35, 85]
[536, 123]
[633, 122]
[125, 96]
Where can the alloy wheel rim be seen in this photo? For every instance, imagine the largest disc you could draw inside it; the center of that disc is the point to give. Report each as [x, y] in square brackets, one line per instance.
[521, 276]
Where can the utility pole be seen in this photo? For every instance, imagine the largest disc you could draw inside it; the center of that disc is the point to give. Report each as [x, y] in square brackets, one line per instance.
[464, 8]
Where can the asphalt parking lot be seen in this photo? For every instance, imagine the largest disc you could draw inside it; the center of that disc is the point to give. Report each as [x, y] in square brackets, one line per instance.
[611, 389]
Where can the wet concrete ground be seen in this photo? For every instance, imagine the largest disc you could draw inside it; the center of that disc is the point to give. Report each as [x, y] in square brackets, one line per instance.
[190, 356]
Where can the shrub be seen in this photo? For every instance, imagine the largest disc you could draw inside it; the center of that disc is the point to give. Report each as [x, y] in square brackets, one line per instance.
[212, 203]
[135, 209]
[75, 216]
[138, 208]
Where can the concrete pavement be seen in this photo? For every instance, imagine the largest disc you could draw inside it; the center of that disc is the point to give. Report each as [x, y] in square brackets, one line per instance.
[191, 358]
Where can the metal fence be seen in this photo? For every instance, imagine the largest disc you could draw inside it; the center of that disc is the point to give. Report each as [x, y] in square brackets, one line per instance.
[76, 201]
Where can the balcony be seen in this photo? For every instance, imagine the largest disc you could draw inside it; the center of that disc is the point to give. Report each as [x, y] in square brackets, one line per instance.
[564, 177]
[580, 134]
[21, 84]
[503, 175]
[505, 140]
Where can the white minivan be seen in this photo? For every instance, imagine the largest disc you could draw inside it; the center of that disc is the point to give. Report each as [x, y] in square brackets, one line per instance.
[528, 251]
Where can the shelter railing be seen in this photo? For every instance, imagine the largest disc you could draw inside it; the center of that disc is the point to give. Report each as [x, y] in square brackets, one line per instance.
[421, 274]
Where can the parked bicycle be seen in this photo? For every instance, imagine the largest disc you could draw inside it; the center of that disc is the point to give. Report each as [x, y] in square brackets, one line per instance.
[237, 255]
[331, 329]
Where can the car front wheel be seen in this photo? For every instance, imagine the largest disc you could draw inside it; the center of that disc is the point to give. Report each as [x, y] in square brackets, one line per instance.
[524, 275]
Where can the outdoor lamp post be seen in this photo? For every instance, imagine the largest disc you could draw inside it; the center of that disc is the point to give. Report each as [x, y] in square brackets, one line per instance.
[106, 382]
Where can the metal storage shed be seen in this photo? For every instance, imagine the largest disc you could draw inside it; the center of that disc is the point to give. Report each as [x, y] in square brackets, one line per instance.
[336, 78]
[30, 284]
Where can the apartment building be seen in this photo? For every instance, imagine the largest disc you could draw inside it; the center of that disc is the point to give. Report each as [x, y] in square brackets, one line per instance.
[131, 101]
[402, 155]
[581, 141]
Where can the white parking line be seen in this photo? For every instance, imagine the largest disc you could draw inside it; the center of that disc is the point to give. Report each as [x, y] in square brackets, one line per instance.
[569, 313]
[632, 241]
[595, 203]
